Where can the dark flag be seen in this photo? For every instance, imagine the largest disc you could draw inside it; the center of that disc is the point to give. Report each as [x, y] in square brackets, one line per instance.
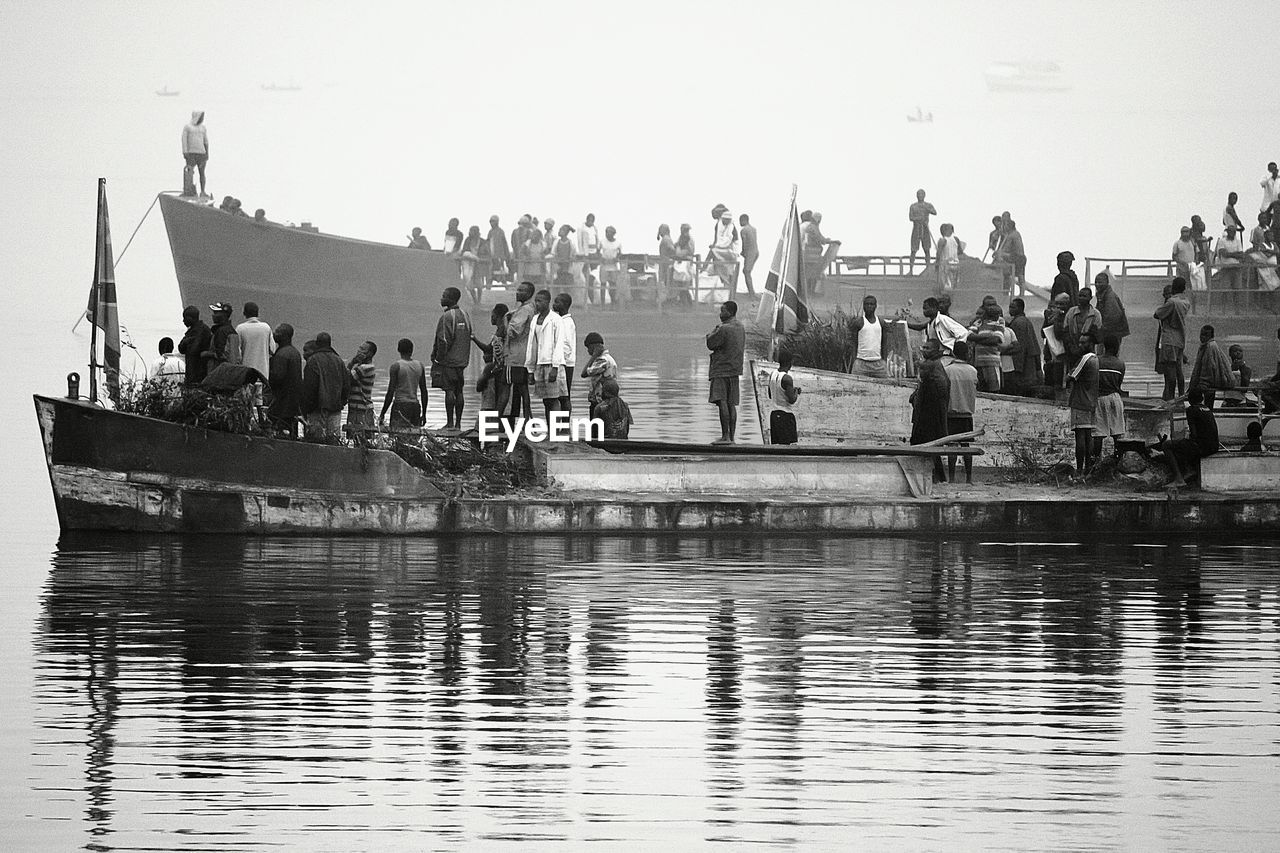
[783, 304]
[102, 311]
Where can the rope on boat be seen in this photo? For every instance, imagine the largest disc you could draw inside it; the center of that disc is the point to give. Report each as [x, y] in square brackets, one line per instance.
[120, 257]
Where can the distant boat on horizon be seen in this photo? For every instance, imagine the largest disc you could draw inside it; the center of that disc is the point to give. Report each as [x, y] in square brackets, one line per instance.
[1026, 76]
[166, 92]
[275, 87]
[921, 117]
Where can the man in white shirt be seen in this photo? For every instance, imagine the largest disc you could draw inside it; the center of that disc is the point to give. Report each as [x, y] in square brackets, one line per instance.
[569, 337]
[1270, 189]
[873, 344]
[939, 327]
[949, 249]
[611, 267]
[170, 370]
[544, 356]
[1227, 255]
[588, 247]
[255, 340]
[723, 253]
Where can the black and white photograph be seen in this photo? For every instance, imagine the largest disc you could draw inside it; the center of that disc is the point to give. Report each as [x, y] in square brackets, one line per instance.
[647, 426]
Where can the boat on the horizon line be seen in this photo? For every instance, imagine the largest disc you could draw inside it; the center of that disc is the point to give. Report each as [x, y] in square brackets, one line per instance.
[276, 87]
[1029, 75]
[166, 92]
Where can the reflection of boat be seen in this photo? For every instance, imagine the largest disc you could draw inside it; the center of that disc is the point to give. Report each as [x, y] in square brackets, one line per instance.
[921, 117]
[275, 87]
[840, 408]
[166, 92]
[1025, 76]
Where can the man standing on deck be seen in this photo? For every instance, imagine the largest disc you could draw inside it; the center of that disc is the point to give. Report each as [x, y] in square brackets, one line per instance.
[750, 250]
[949, 249]
[517, 348]
[1013, 252]
[1066, 280]
[1115, 323]
[499, 250]
[406, 390]
[929, 403]
[569, 337]
[195, 147]
[360, 399]
[728, 343]
[285, 378]
[544, 354]
[224, 346]
[783, 395]
[1080, 329]
[962, 402]
[1227, 256]
[1184, 253]
[921, 238]
[326, 385]
[723, 252]
[255, 340]
[1108, 416]
[195, 341]
[1270, 191]
[1027, 375]
[588, 248]
[938, 326]
[871, 342]
[1172, 337]
[450, 355]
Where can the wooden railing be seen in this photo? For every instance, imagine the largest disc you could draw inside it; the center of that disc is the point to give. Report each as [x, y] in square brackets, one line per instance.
[1239, 287]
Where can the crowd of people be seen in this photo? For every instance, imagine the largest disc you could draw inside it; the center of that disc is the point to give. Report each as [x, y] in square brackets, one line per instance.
[531, 352]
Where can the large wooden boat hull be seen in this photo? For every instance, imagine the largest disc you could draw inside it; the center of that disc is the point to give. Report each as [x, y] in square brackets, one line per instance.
[838, 408]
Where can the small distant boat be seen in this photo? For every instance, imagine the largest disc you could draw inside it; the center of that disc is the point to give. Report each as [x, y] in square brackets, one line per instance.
[166, 92]
[275, 87]
[1026, 76]
[920, 117]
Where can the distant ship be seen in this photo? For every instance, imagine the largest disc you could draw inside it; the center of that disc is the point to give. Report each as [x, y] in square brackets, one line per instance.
[166, 92]
[275, 87]
[1026, 76]
[921, 117]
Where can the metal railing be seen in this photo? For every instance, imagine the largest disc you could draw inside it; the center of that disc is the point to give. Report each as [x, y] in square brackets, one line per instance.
[630, 280]
[1246, 286]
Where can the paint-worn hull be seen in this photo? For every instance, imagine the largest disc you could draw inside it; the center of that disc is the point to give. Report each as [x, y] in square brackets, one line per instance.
[838, 408]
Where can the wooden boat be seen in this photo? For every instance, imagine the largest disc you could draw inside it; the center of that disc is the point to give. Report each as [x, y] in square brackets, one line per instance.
[1233, 425]
[1241, 472]
[839, 408]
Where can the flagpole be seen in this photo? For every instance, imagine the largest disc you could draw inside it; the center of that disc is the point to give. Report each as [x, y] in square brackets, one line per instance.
[97, 297]
[788, 234]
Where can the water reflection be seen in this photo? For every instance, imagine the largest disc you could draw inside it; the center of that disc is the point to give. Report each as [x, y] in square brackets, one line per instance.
[657, 690]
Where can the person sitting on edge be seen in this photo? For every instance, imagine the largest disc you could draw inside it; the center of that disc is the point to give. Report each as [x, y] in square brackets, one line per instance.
[871, 342]
[938, 326]
[360, 399]
[285, 379]
[450, 355]
[783, 395]
[1108, 414]
[599, 367]
[929, 403]
[727, 343]
[613, 411]
[962, 402]
[1083, 401]
[417, 240]
[1253, 432]
[950, 248]
[1066, 281]
[169, 370]
[918, 215]
[406, 390]
[544, 354]
[569, 337]
[1172, 337]
[1184, 454]
[1243, 375]
[1212, 372]
[326, 385]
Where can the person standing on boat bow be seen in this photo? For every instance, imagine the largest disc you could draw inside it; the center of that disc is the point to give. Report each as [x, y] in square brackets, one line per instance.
[871, 347]
[450, 355]
[728, 343]
[326, 385]
[285, 378]
[195, 147]
[921, 238]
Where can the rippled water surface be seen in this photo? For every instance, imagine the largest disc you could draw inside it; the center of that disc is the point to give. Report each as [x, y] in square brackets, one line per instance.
[635, 693]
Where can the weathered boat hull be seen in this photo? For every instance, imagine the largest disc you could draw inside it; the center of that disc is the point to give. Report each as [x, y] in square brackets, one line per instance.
[1233, 426]
[113, 471]
[837, 408]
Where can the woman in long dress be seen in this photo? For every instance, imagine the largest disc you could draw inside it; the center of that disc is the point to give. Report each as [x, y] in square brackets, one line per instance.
[666, 257]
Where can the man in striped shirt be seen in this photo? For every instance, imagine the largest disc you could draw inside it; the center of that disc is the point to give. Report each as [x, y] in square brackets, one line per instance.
[360, 400]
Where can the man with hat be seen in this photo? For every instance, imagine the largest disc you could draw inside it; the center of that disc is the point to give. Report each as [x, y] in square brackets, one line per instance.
[1065, 281]
[224, 343]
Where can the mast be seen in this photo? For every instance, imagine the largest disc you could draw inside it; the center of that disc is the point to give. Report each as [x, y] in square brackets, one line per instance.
[93, 320]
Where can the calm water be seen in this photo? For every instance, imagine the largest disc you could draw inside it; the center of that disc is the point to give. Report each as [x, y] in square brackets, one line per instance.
[628, 693]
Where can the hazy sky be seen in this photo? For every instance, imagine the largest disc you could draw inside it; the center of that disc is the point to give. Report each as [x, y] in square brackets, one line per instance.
[641, 112]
